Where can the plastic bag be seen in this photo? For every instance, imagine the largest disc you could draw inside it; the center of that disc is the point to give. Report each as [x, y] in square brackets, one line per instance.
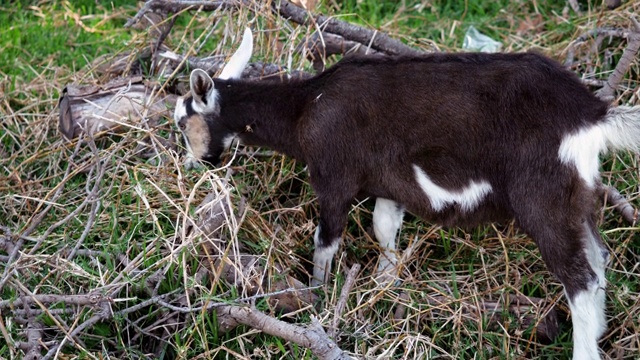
[474, 40]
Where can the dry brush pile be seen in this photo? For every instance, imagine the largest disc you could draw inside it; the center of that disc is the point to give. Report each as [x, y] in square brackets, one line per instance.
[110, 249]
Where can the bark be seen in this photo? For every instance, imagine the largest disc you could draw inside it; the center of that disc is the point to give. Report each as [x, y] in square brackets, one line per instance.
[312, 337]
[117, 106]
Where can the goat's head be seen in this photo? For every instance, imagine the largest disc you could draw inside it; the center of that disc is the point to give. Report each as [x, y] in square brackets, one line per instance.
[196, 113]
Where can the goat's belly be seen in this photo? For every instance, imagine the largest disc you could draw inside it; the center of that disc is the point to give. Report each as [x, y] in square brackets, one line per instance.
[468, 205]
[454, 216]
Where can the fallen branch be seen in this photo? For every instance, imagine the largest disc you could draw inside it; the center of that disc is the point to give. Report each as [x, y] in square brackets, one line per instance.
[244, 271]
[90, 299]
[627, 58]
[619, 203]
[312, 337]
[93, 108]
[174, 6]
[318, 47]
[344, 295]
[369, 38]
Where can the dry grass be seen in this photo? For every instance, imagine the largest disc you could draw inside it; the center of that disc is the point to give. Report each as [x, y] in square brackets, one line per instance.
[87, 219]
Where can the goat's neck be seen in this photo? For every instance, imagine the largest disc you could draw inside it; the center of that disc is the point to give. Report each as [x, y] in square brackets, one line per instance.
[265, 114]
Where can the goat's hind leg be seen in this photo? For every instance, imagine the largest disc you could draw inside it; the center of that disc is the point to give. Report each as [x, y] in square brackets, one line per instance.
[573, 251]
[588, 304]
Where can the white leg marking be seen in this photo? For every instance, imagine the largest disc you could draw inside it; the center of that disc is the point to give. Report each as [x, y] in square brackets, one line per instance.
[387, 219]
[588, 319]
[587, 308]
[468, 197]
[322, 258]
[581, 150]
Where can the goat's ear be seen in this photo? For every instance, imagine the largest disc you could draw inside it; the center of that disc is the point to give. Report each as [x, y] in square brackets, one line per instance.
[204, 93]
[240, 59]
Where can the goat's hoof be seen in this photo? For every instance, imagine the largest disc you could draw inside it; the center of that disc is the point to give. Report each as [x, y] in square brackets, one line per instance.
[386, 278]
[192, 164]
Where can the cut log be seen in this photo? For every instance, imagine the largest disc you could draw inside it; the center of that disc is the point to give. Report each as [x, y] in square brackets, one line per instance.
[116, 106]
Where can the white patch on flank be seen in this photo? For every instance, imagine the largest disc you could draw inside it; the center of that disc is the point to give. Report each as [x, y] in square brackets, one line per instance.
[387, 219]
[468, 197]
[582, 149]
[322, 258]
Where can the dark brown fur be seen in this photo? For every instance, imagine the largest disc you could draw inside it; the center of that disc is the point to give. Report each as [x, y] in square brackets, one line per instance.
[362, 124]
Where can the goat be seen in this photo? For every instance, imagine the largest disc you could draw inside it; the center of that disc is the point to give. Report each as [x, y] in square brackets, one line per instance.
[457, 139]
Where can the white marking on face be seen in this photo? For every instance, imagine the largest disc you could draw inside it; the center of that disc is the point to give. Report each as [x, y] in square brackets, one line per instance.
[581, 150]
[387, 219]
[467, 198]
[322, 258]
[180, 111]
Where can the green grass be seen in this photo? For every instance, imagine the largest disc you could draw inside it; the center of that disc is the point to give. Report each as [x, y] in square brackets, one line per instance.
[38, 37]
[134, 248]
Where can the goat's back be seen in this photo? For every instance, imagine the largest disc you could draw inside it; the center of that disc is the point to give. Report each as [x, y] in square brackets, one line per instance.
[458, 117]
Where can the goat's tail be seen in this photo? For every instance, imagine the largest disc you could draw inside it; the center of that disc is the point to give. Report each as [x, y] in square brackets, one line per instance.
[621, 128]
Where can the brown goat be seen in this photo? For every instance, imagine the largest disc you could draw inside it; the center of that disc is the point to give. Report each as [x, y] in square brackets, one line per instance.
[457, 139]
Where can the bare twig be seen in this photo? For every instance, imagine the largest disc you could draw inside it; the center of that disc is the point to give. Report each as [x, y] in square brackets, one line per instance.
[83, 299]
[320, 46]
[103, 313]
[373, 38]
[619, 203]
[593, 33]
[344, 295]
[370, 38]
[607, 92]
[174, 6]
[34, 337]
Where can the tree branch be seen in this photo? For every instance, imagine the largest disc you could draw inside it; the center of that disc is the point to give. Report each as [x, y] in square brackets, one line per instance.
[312, 337]
[372, 38]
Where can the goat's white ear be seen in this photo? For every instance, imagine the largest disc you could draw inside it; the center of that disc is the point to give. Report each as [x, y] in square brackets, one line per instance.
[240, 59]
[204, 93]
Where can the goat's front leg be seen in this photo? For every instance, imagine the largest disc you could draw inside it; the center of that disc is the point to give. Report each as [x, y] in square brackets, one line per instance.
[333, 219]
[387, 219]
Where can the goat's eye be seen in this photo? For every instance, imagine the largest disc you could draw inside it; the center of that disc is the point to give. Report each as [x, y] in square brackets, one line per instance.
[181, 125]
